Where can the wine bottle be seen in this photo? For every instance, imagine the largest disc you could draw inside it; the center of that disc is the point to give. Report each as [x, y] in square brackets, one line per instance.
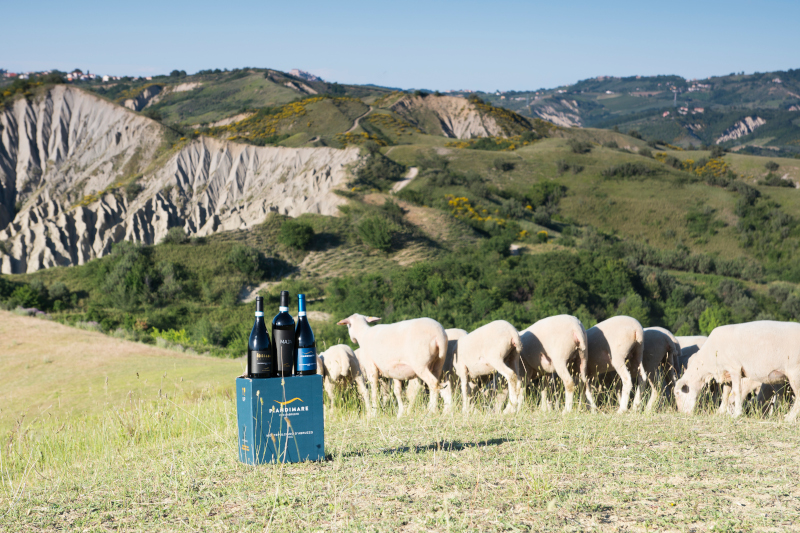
[283, 339]
[260, 359]
[305, 363]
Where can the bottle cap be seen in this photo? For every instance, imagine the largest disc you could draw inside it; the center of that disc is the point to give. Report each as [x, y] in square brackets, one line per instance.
[259, 304]
[284, 298]
[301, 304]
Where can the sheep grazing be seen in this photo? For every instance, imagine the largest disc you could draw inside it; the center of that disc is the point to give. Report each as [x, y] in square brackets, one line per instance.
[551, 345]
[403, 351]
[494, 347]
[617, 343]
[689, 347]
[661, 349]
[764, 351]
[339, 366]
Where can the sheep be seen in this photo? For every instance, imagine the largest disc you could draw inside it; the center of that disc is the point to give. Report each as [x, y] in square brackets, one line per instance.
[689, 347]
[615, 343]
[660, 348]
[765, 351]
[550, 345]
[494, 347]
[339, 366]
[402, 351]
[444, 371]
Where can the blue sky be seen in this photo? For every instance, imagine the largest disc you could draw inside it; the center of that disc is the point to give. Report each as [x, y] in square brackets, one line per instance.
[505, 45]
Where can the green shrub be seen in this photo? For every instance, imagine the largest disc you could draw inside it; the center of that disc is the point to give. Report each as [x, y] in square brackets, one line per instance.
[645, 152]
[25, 296]
[579, 147]
[175, 235]
[626, 170]
[58, 291]
[132, 190]
[376, 232]
[717, 151]
[771, 180]
[295, 234]
[503, 165]
[246, 260]
[772, 166]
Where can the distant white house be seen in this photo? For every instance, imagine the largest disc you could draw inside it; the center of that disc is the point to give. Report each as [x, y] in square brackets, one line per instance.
[106, 78]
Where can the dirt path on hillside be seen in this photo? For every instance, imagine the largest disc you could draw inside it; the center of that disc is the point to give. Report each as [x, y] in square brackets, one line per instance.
[355, 124]
[410, 175]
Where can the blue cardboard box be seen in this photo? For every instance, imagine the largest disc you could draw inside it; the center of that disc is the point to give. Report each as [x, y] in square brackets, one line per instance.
[280, 419]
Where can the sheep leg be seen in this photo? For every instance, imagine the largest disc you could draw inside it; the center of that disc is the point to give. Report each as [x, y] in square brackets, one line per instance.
[398, 392]
[465, 390]
[569, 383]
[362, 390]
[726, 393]
[412, 391]
[522, 383]
[627, 386]
[545, 407]
[585, 380]
[328, 386]
[446, 392]
[373, 379]
[736, 389]
[432, 382]
[794, 383]
[641, 379]
[652, 380]
[513, 385]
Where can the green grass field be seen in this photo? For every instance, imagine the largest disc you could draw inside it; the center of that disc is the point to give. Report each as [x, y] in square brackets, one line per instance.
[167, 461]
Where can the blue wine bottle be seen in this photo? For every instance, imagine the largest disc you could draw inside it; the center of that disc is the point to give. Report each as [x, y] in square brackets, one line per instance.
[260, 360]
[306, 352]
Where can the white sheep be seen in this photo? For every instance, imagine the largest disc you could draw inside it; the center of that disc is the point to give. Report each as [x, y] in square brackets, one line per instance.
[689, 346]
[402, 351]
[765, 351]
[444, 371]
[551, 345]
[339, 366]
[661, 349]
[615, 344]
[494, 347]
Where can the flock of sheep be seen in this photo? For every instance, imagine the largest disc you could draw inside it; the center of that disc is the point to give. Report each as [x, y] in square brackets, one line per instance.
[743, 358]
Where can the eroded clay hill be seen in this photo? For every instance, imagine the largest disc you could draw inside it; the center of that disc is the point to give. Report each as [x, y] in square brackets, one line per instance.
[62, 157]
[458, 117]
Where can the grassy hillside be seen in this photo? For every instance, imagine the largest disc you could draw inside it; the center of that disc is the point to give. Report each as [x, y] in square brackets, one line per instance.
[710, 107]
[75, 372]
[209, 96]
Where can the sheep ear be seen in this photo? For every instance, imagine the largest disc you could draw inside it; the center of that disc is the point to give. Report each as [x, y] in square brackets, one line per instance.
[343, 322]
[372, 319]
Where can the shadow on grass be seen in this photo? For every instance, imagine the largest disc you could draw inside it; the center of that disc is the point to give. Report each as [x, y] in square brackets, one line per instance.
[439, 446]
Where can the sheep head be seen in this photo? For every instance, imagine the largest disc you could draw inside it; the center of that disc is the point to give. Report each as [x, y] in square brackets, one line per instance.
[354, 321]
[688, 388]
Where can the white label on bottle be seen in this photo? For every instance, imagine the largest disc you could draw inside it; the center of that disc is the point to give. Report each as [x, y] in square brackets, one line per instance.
[301, 313]
[283, 309]
[259, 313]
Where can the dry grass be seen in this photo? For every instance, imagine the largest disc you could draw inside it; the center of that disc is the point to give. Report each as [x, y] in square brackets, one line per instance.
[167, 462]
[55, 369]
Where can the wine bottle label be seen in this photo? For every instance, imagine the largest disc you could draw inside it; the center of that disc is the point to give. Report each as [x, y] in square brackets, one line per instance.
[284, 350]
[306, 359]
[259, 313]
[260, 362]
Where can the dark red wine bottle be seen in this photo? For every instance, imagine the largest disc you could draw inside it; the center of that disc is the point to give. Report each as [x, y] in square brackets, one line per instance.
[260, 359]
[283, 339]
